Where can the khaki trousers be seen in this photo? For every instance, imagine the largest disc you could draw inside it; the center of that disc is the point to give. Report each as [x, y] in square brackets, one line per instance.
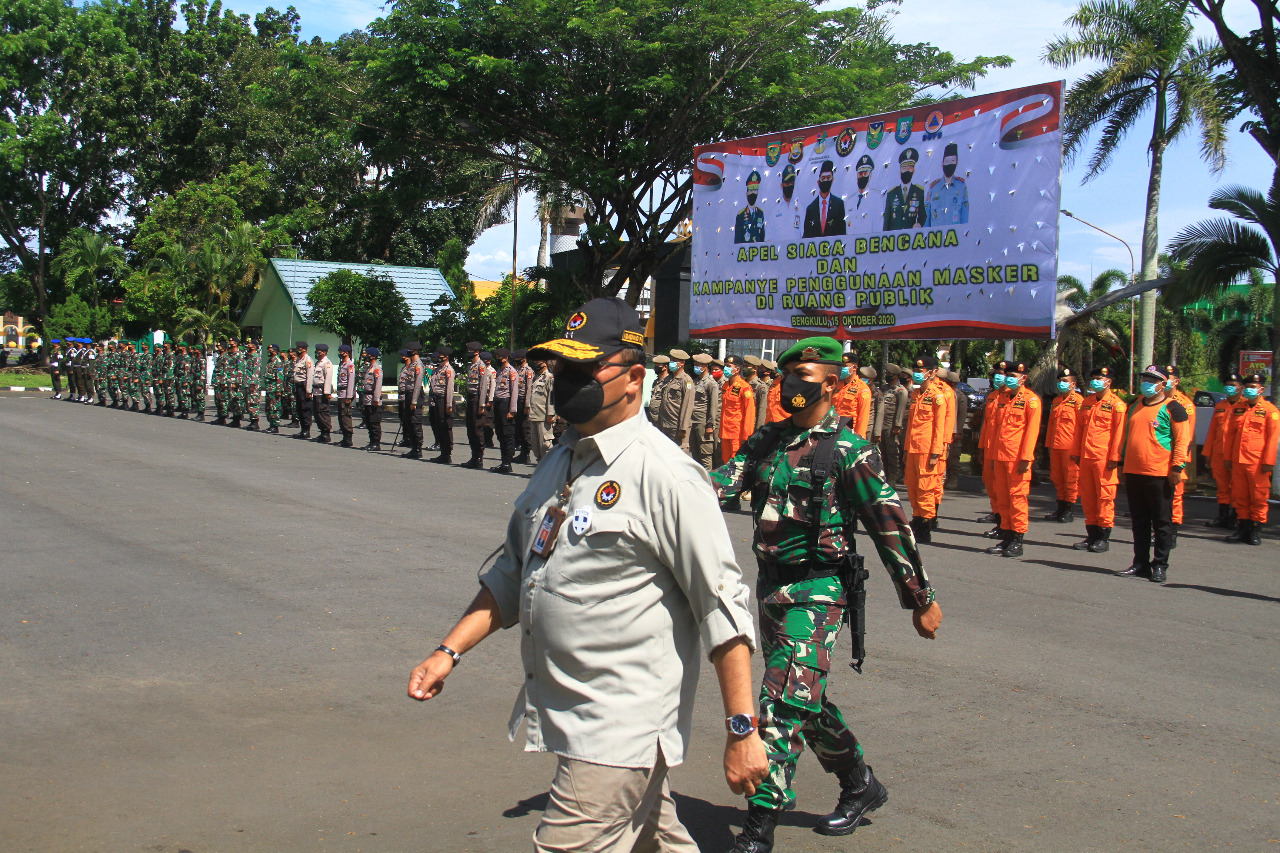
[599, 809]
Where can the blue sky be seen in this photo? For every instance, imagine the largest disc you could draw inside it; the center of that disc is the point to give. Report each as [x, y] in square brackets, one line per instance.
[1115, 201]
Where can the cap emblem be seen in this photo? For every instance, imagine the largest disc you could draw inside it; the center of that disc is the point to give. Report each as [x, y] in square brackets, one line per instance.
[809, 352]
[608, 493]
[798, 401]
[577, 321]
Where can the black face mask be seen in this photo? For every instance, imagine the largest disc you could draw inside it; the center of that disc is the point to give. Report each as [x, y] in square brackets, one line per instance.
[579, 396]
[788, 187]
[863, 180]
[906, 177]
[751, 199]
[794, 388]
[824, 185]
[948, 169]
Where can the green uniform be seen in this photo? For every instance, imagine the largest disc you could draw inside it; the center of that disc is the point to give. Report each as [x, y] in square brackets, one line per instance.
[195, 382]
[250, 370]
[801, 600]
[271, 380]
[167, 361]
[144, 379]
[904, 211]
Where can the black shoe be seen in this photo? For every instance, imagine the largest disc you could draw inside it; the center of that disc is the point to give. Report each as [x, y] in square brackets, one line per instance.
[1013, 548]
[346, 442]
[219, 421]
[989, 518]
[1223, 519]
[504, 468]
[996, 532]
[443, 459]
[322, 438]
[412, 454]
[1056, 515]
[1158, 571]
[933, 523]
[1254, 535]
[522, 459]
[757, 830]
[1137, 570]
[271, 430]
[435, 448]
[404, 442]
[252, 427]
[1091, 533]
[859, 794]
[923, 528]
[374, 448]
[305, 435]
[998, 549]
[1103, 542]
[476, 462]
[200, 416]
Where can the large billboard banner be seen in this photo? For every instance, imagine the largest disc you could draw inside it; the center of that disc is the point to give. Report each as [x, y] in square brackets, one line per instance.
[935, 222]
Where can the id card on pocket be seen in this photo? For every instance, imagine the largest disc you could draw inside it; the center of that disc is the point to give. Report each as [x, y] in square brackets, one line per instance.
[545, 542]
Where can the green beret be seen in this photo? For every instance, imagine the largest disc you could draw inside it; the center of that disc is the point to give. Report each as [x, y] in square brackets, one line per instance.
[822, 350]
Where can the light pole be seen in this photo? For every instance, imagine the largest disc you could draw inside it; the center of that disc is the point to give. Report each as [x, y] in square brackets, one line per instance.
[1132, 277]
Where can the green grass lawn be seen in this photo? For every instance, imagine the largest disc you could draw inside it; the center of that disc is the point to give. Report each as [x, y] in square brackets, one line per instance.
[9, 379]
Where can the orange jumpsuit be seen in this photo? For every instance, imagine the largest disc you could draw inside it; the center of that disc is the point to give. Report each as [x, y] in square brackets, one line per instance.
[926, 436]
[737, 416]
[853, 400]
[990, 427]
[1252, 433]
[1060, 442]
[1182, 484]
[1215, 450]
[1099, 440]
[775, 411]
[1013, 444]
[950, 435]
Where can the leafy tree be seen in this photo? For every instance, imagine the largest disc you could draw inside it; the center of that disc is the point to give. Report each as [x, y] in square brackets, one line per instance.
[364, 307]
[607, 101]
[1254, 79]
[1080, 337]
[1150, 65]
[204, 324]
[75, 318]
[89, 261]
[1220, 252]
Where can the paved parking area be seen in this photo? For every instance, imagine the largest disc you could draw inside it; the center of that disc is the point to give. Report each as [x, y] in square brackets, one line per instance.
[205, 637]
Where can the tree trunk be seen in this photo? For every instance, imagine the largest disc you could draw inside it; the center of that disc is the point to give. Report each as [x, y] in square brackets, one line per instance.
[1145, 352]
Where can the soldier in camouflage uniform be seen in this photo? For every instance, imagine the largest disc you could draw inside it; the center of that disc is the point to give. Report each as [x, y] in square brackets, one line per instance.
[219, 381]
[98, 370]
[195, 382]
[161, 374]
[110, 379]
[269, 382]
[144, 378]
[801, 549]
[250, 369]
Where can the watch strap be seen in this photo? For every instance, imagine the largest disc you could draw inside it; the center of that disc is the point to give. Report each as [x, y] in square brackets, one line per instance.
[457, 658]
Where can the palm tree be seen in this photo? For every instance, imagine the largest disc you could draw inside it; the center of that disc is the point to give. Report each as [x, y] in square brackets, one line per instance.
[205, 324]
[1220, 252]
[84, 257]
[1149, 62]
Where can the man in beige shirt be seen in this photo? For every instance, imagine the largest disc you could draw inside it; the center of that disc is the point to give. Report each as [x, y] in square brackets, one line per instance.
[617, 566]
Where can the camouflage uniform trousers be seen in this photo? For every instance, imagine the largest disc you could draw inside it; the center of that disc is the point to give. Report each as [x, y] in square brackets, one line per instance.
[100, 384]
[195, 393]
[170, 393]
[113, 385]
[249, 403]
[799, 624]
[272, 407]
[220, 398]
[144, 391]
[235, 401]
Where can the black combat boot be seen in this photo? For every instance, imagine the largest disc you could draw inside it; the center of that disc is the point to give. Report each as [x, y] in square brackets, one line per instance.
[1137, 570]
[989, 518]
[1254, 536]
[253, 425]
[322, 438]
[271, 430]
[1056, 515]
[220, 420]
[933, 523]
[522, 459]
[1014, 547]
[998, 549]
[1158, 572]
[346, 441]
[1090, 534]
[443, 459]
[504, 468]
[200, 415]
[374, 448]
[1103, 542]
[860, 792]
[996, 532]
[476, 462]
[924, 533]
[1223, 520]
[413, 453]
[757, 830]
[235, 423]
[305, 435]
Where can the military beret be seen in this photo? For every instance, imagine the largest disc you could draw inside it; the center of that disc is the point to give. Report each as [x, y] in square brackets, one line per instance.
[909, 157]
[891, 369]
[373, 351]
[867, 372]
[485, 355]
[274, 347]
[679, 355]
[474, 346]
[520, 354]
[404, 353]
[502, 352]
[57, 340]
[1066, 373]
[444, 351]
[299, 344]
[322, 347]
[926, 362]
[953, 377]
[753, 360]
[702, 358]
[819, 349]
[413, 346]
[734, 359]
[768, 365]
[1101, 371]
[1254, 379]
[1171, 370]
[181, 344]
[344, 348]
[661, 359]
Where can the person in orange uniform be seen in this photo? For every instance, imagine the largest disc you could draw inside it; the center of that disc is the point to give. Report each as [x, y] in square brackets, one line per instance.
[926, 444]
[1172, 389]
[1059, 441]
[853, 400]
[737, 409]
[1156, 449]
[950, 400]
[1215, 452]
[1014, 449]
[1096, 449]
[1251, 457]
[774, 410]
[995, 402]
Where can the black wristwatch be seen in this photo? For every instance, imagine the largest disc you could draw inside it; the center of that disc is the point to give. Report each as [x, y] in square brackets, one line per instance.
[457, 658]
[741, 724]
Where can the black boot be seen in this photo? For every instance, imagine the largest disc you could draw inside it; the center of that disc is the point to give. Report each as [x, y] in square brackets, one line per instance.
[998, 549]
[414, 453]
[757, 830]
[522, 459]
[443, 459]
[1137, 570]
[272, 430]
[346, 441]
[933, 523]
[253, 425]
[1240, 534]
[1223, 520]
[322, 438]
[1103, 542]
[1158, 571]
[1254, 536]
[996, 532]
[859, 793]
[1055, 515]
[989, 518]
[473, 462]
[374, 448]
[1014, 547]
[1091, 534]
[504, 468]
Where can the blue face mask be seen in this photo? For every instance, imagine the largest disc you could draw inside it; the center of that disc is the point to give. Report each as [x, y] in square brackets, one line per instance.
[844, 372]
[1149, 389]
[998, 380]
[1064, 387]
[1252, 393]
[697, 371]
[1097, 385]
[917, 377]
[1231, 390]
[728, 370]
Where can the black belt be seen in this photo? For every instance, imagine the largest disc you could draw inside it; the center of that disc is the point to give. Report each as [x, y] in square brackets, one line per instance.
[789, 573]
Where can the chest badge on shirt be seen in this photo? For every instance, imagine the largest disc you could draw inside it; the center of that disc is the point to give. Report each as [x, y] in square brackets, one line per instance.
[608, 493]
[581, 521]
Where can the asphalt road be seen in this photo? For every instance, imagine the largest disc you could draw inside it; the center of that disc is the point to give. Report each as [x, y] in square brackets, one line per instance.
[205, 637]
